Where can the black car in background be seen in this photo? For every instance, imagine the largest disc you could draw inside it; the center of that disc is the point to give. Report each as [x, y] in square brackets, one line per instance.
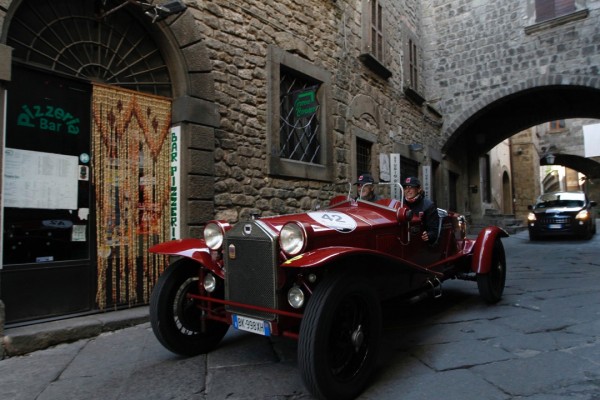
[562, 213]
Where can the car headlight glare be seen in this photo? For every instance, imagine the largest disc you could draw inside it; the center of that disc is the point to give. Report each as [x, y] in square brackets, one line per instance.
[292, 238]
[210, 283]
[582, 215]
[213, 235]
[531, 217]
[296, 297]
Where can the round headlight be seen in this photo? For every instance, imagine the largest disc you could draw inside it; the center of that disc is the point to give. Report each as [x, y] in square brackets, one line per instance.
[213, 235]
[292, 238]
[531, 217]
[296, 297]
[210, 283]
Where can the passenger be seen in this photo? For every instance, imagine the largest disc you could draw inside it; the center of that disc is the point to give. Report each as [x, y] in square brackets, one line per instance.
[366, 188]
[414, 197]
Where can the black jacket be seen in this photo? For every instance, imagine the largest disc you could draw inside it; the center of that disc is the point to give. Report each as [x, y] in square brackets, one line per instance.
[430, 217]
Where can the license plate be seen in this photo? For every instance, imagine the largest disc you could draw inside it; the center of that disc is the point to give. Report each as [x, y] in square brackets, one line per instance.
[554, 226]
[251, 325]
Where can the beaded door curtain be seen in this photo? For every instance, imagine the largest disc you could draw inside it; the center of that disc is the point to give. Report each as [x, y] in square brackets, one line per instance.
[130, 139]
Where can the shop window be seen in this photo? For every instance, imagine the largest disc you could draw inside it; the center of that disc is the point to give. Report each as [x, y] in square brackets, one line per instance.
[46, 185]
[300, 144]
[408, 167]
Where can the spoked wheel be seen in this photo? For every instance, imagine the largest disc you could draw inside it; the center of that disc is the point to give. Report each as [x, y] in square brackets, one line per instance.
[339, 338]
[175, 319]
[491, 284]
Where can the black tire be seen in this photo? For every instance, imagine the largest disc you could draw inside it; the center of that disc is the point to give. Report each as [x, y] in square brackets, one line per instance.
[491, 284]
[175, 320]
[339, 338]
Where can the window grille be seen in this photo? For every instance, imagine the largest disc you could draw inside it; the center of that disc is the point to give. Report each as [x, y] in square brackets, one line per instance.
[363, 156]
[299, 127]
[67, 37]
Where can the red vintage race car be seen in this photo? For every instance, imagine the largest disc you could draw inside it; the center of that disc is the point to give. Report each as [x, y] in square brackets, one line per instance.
[318, 277]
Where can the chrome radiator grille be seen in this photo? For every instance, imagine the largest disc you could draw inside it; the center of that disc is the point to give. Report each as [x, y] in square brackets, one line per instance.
[250, 268]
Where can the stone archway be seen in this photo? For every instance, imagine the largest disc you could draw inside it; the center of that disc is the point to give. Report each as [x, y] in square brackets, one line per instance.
[501, 114]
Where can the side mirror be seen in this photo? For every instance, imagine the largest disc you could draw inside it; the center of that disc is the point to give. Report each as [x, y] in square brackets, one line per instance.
[530, 207]
[404, 214]
[593, 203]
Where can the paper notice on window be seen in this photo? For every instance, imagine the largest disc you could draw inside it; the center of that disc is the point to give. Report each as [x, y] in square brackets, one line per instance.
[40, 180]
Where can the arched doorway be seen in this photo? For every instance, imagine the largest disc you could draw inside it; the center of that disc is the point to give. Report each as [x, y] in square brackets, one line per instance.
[52, 222]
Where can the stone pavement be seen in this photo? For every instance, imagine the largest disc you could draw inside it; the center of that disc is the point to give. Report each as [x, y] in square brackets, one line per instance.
[28, 338]
[541, 342]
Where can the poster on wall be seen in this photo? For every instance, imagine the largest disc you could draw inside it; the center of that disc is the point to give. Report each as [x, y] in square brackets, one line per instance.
[34, 179]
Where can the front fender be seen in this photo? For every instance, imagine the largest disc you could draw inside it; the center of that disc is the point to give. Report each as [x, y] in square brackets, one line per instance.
[484, 248]
[324, 256]
[194, 249]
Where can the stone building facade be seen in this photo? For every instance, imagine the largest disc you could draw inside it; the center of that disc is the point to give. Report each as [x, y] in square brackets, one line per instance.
[248, 46]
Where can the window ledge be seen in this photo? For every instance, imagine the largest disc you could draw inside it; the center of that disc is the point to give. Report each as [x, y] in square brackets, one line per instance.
[372, 63]
[554, 22]
[414, 96]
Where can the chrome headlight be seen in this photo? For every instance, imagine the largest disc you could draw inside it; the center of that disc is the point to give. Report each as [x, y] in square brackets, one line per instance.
[213, 235]
[292, 238]
[296, 297]
[210, 283]
[583, 214]
[531, 217]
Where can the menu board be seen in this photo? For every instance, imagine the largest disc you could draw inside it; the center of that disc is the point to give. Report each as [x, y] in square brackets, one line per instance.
[40, 180]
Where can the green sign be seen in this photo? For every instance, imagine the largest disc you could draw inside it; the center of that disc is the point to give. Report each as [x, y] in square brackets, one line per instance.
[305, 103]
[48, 118]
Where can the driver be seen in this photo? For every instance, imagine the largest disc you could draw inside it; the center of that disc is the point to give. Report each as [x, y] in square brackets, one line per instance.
[366, 188]
[426, 209]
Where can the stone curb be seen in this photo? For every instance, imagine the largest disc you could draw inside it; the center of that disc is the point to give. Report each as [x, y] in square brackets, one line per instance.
[26, 339]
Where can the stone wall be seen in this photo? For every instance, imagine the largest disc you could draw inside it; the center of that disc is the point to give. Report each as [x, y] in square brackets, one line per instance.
[479, 51]
[328, 35]
[525, 171]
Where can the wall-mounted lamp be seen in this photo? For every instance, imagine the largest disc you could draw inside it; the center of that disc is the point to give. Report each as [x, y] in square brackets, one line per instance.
[550, 158]
[154, 11]
[161, 11]
[415, 147]
[519, 151]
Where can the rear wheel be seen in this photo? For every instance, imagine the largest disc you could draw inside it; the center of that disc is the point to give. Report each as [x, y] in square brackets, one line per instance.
[491, 284]
[175, 319]
[339, 338]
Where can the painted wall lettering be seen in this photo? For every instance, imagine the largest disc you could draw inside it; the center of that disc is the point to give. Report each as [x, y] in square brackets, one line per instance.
[175, 196]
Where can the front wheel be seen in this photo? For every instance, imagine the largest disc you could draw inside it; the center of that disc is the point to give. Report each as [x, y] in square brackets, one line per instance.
[175, 319]
[491, 284]
[339, 338]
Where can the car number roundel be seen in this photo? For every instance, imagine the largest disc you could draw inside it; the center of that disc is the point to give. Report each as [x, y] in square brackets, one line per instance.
[334, 220]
